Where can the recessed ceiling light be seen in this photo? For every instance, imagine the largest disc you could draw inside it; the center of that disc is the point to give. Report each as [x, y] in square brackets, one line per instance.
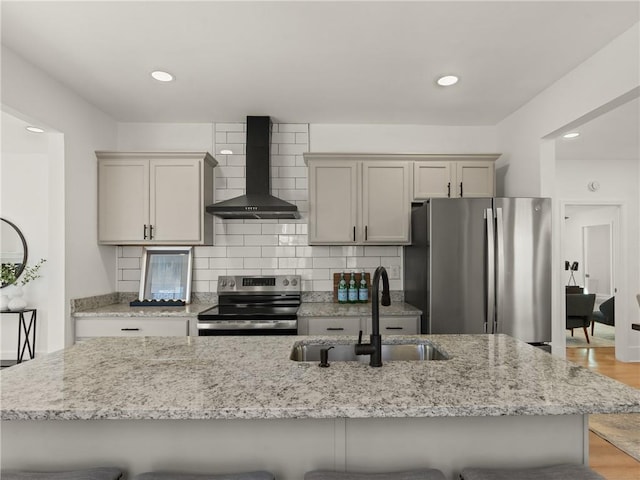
[226, 151]
[162, 76]
[35, 129]
[447, 80]
[571, 135]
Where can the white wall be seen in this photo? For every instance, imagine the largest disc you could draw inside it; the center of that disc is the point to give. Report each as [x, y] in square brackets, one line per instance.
[24, 177]
[525, 138]
[77, 266]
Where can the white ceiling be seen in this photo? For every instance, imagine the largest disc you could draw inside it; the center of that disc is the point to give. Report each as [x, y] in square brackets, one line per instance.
[316, 62]
[614, 135]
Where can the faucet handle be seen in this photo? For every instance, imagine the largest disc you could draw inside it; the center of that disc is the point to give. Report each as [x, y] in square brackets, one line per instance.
[360, 338]
[386, 299]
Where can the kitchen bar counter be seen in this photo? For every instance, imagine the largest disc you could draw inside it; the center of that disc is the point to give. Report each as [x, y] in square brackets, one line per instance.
[229, 404]
[253, 377]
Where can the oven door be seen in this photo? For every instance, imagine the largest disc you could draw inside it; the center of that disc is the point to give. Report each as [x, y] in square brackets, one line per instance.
[209, 328]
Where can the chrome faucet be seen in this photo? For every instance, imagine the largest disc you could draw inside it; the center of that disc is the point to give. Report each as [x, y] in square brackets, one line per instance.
[374, 347]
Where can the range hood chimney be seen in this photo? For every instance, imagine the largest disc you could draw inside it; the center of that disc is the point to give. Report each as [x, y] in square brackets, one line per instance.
[258, 203]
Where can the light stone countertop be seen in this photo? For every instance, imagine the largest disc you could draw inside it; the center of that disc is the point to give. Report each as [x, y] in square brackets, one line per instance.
[120, 310]
[326, 309]
[253, 378]
[307, 309]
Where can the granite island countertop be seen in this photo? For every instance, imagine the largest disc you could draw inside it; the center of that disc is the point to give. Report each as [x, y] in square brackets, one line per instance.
[253, 378]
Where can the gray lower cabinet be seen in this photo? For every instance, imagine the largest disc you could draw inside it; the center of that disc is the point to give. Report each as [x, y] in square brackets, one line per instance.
[329, 326]
[89, 327]
[397, 325]
[391, 325]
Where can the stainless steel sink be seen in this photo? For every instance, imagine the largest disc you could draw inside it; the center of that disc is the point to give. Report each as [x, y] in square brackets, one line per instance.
[346, 352]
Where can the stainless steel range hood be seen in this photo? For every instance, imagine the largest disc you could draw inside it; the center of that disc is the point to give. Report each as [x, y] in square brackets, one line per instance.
[258, 203]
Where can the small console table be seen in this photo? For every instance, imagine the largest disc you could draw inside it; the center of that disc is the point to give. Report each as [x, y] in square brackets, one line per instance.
[26, 332]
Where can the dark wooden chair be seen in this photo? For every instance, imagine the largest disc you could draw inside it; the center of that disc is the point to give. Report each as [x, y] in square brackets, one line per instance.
[606, 314]
[579, 311]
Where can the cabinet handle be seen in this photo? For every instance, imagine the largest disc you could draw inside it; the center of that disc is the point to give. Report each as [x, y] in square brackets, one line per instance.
[337, 329]
[366, 232]
[151, 230]
[449, 190]
[354, 233]
[461, 189]
[130, 329]
[394, 328]
[144, 232]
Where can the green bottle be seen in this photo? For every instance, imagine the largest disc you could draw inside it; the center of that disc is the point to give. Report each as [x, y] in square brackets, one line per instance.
[353, 289]
[363, 290]
[342, 289]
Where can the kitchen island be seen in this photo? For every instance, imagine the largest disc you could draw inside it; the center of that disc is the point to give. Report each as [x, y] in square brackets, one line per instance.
[234, 403]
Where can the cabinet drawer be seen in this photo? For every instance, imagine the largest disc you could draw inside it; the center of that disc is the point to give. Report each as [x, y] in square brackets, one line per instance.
[398, 325]
[334, 326]
[131, 327]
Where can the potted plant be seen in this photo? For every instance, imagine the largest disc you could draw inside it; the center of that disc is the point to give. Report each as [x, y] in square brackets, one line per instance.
[8, 277]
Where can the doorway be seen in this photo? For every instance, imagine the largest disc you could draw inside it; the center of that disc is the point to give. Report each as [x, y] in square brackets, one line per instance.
[591, 248]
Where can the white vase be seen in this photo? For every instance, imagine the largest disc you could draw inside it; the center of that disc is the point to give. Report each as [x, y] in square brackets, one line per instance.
[4, 302]
[17, 301]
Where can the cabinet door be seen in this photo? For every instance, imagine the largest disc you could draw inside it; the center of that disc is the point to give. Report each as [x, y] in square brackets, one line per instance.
[334, 326]
[332, 202]
[123, 200]
[475, 179]
[386, 202]
[395, 325]
[433, 180]
[176, 206]
[131, 327]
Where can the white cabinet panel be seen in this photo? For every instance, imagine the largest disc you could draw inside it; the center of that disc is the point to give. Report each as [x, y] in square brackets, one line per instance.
[386, 202]
[87, 327]
[432, 180]
[176, 210]
[475, 179]
[123, 186]
[333, 325]
[332, 202]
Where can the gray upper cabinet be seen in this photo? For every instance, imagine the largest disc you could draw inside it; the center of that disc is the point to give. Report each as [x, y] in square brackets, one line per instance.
[155, 198]
[454, 176]
[356, 200]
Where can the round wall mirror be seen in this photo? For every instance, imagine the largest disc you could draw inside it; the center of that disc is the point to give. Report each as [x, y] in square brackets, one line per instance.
[13, 249]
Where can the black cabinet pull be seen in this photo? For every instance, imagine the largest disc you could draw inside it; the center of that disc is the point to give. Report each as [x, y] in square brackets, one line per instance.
[394, 328]
[461, 189]
[130, 329]
[151, 230]
[335, 329]
[354, 233]
[366, 233]
[144, 232]
[449, 190]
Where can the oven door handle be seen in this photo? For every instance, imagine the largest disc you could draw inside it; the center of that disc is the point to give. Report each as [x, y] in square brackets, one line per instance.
[248, 325]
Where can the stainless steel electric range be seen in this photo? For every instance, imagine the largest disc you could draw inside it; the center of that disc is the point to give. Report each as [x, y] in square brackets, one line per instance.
[253, 305]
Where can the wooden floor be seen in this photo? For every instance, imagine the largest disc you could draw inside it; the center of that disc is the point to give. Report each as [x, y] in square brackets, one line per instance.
[604, 458]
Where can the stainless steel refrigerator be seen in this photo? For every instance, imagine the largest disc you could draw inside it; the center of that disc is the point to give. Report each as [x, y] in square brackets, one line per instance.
[481, 265]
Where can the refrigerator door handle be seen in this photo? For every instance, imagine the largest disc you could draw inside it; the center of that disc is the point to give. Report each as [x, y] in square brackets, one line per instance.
[500, 266]
[490, 269]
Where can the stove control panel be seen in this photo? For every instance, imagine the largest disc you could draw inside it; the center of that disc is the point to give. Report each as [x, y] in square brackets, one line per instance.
[256, 284]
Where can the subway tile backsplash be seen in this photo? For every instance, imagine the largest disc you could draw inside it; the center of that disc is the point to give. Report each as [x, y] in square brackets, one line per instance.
[267, 247]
